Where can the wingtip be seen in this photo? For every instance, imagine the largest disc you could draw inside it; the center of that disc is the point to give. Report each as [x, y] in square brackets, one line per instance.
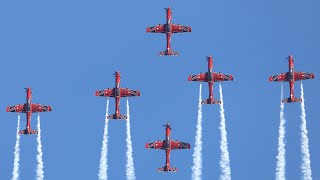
[189, 78]
[189, 146]
[99, 93]
[137, 93]
[231, 77]
[96, 93]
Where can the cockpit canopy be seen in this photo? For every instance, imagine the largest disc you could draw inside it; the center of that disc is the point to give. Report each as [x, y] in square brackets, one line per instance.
[168, 28]
[28, 107]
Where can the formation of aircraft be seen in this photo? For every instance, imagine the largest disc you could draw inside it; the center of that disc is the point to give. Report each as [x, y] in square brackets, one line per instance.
[167, 145]
[210, 77]
[169, 29]
[28, 108]
[291, 77]
[117, 92]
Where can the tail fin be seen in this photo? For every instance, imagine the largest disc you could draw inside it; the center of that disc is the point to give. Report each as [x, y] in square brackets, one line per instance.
[208, 101]
[166, 169]
[114, 116]
[288, 100]
[168, 53]
[26, 132]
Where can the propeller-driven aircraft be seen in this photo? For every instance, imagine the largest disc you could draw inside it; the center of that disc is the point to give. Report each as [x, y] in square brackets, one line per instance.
[28, 108]
[291, 77]
[117, 92]
[167, 145]
[168, 29]
[210, 77]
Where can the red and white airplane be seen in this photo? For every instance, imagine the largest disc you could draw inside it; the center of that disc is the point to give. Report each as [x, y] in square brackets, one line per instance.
[167, 145]
[168, 28]
[117, 93]
[28, 108]
[291, 77]
[210, 77]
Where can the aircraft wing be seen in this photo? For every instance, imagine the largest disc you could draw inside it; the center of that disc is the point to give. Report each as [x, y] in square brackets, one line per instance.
[217, 77]
[177, 28]
[106, 92]
[18, 108]
[125, 92]
[302, 76]
[156, 29]
[40, 108]
[198, 77]
[179, 145]
[279, 77]
[155, 145]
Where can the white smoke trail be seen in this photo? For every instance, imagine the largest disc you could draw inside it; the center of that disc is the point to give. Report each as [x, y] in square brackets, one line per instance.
[104, 149]
[129, 166]
[281, 157]
[40, 173]
[15, 172]
[197, 154]
[225, 159]
[306, 163]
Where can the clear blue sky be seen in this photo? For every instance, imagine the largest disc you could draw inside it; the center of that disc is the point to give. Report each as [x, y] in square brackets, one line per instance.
[65, 50]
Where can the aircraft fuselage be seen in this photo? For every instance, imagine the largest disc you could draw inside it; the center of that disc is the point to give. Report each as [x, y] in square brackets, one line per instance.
[210, 78]
[169, 29]
[117, 95]
[28, 110]
[291, 77]
[168, 148]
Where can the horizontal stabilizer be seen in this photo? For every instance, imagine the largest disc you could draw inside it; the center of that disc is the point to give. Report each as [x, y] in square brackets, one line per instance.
[208, 101]
[26, 132]
[114, 116]
[168, 53]
[288, 100]
[166, 169]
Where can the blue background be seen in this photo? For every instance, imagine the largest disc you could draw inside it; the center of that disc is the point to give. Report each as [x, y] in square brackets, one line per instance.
[65, 50]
